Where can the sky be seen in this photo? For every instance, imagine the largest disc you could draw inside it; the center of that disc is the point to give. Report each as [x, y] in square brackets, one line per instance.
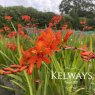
[42, 5]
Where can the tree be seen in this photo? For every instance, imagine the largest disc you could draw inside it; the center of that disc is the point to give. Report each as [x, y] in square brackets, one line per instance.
[80, 7]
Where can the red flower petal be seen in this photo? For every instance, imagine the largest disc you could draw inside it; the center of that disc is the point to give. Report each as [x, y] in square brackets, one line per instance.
[67, 35]
[46, 59]
[30, 69]
[39, 62]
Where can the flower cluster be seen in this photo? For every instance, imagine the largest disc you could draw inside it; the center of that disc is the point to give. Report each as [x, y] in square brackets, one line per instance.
[26, 17]
[8, 18]
[46, 43]
[1, 30]
[12, 69]
[55, 20]
[11, 46]
[87, 56]
[12, 34]
[67, 35]
[83, 22]
[87, 27]
[6, 28]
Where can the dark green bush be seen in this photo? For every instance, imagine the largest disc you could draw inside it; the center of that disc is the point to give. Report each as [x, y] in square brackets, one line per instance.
[43, 18]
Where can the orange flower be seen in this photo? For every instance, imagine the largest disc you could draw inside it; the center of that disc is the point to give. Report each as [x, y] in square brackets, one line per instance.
[32, 56]
[87, 56]
[8, 18]
[67, 35]
[12, 34]
[1, 72]
[6, 28]
[50, 39]
[26, 17]
[87, 27]
[0, 37]
[15, 66]
[50, 24]
[45, 44]
[20, 27]
[83, 22]
[55, 20]
[1, 30]
[21, 33]
[12, 46]
[12, 69]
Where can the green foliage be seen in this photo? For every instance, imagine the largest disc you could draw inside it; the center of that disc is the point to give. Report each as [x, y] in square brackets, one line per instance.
[77, 9]
[80, 7]
[43, 18]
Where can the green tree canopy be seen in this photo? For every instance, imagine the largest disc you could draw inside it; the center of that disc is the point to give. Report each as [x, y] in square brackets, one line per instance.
[83, 8]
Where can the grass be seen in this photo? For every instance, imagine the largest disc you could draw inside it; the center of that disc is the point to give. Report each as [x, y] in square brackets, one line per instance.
[65, 61]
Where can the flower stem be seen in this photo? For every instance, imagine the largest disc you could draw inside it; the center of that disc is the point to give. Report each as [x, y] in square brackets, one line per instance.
[28, 82]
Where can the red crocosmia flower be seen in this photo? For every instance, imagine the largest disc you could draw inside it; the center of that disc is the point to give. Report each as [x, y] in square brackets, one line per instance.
[55, 20]
[20, 27]
[26, 17]
[87, 56]
[0, 37]
[21, 30]
[12, 69]
[50, 24]
[87, 28]
[67, 35]
[22, 68]
[8, 18]
[6, 28]
[58, 37]
[26, 56]
[21, 33]
[2, 72]
[34, 56]
[12, 34]
[50, 39]
[45, 44]
[82, 22]
[15, 66]
[1, 30]
[11, 46]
